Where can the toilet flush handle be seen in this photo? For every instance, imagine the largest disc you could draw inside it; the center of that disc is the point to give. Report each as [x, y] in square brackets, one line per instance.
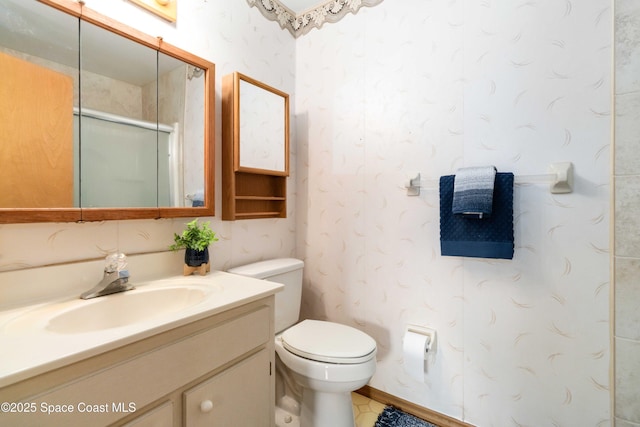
[206, 406]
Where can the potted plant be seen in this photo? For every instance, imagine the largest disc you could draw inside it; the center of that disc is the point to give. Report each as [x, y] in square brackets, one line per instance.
[195, 239]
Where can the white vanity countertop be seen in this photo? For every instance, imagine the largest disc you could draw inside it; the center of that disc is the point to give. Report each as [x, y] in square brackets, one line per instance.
[29, 348]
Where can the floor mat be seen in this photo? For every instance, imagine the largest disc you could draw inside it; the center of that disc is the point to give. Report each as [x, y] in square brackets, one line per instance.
[392, 417]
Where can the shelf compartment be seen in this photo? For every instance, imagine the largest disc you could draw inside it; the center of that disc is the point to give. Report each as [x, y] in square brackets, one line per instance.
[260, 208]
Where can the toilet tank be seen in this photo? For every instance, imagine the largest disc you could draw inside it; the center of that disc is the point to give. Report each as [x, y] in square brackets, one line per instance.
[287, 271]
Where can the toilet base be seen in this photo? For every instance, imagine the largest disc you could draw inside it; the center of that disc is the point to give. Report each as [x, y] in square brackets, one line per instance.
[326, 409]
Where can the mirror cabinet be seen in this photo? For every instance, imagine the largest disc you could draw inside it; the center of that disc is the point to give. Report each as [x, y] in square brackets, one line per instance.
[100, 121]
[255, 149]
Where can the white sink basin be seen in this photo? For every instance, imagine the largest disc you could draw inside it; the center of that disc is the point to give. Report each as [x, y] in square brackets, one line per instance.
[111, 311]
[124, 309]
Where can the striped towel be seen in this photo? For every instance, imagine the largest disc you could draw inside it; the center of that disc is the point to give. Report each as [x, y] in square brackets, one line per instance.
[473, 191]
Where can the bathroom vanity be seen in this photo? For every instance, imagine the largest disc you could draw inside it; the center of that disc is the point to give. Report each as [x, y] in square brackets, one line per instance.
[208, 362]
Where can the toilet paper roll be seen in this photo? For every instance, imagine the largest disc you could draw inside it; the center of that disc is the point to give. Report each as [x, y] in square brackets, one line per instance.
[414, 351]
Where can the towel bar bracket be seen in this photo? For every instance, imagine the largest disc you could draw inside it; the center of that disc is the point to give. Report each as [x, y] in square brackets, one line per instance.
[413, 184]
[563, 181]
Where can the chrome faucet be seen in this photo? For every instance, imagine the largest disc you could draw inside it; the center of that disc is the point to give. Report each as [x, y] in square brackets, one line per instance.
[115, 279]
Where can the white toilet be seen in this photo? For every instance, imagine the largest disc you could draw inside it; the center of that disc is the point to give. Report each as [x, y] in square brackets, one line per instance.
[319, 363]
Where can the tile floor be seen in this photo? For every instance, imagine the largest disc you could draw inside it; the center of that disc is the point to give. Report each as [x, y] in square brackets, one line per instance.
[365, 410]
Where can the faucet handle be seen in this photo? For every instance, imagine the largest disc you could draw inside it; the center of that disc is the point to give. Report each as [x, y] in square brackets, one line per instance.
[115, 262]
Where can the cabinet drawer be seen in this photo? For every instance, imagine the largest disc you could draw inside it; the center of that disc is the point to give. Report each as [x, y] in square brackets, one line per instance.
[239, 396]
[134, 383]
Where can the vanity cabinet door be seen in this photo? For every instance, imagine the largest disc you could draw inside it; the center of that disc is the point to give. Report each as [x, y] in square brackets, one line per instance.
[161, 416]
[238, 396]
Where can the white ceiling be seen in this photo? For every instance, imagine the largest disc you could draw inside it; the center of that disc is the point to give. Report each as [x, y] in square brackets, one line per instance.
[299, 6]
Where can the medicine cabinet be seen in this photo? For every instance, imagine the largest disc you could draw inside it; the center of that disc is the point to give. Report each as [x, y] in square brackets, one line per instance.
[255, 149]
[100, 121]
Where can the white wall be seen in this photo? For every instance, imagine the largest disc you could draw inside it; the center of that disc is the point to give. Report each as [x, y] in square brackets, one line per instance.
[233, 36]
[431, 86]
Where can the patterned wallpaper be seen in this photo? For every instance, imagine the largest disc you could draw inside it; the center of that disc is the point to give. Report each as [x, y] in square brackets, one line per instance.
[429, 87]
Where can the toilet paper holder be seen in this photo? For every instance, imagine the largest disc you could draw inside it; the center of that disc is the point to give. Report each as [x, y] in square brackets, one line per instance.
[429, 333]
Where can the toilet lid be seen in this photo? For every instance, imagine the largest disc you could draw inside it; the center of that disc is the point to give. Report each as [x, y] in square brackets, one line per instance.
[328, 342]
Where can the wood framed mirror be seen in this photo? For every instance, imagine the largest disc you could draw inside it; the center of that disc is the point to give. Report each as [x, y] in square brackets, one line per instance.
[261, 127]
[101, 121]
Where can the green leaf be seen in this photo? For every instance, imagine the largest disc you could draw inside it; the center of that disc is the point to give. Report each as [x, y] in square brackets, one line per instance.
[195, 236]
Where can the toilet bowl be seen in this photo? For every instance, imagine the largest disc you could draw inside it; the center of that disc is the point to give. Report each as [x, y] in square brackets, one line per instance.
[319, 363]
[329, 361]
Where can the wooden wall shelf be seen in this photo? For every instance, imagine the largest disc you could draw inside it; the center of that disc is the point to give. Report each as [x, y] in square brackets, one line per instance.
[249, 193]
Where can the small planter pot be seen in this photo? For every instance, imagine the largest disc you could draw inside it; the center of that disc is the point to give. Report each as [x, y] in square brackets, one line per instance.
[196, 262]
[195, 258]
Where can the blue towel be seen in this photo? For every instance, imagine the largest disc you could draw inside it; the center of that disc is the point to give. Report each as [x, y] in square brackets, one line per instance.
[473, 191]
[490, 238]
[198, 199]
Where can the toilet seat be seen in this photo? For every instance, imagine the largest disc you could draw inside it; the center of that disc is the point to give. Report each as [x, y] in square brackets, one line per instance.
[328, 342]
